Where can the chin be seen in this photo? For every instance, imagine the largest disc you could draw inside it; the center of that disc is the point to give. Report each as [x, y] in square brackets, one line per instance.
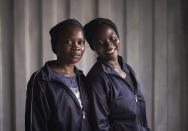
[109, 58]
[74, 61]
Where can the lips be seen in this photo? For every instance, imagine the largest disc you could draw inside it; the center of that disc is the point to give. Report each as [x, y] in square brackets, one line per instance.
[75, 54]
[110, 51]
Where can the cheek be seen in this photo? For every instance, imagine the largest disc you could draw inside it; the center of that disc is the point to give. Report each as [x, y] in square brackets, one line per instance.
[61, 54]
[63, 51]
[118, 45]
[99, 50]
[83, 49]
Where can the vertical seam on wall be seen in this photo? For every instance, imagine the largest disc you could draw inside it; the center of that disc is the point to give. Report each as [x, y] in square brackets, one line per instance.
[153, 64]
[125, 31]
[110, 9]
[54, 5]
[69, 8]
[41, 36]
[1, 81]
[183, 27]
[27, 38]
[42, 31]
[139, 39]
[97, 8]
[14, 48]
[181, 69]
[13, 71]
[167, 58]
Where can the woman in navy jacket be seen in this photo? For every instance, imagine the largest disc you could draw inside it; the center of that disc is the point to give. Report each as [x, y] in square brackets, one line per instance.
[56, 95]
[117, 103]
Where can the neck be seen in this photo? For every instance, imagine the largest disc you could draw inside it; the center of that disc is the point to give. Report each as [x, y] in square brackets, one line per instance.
[63, 68]
[114, 64]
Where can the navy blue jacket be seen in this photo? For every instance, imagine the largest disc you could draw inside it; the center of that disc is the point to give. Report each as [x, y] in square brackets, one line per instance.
[52, 106]
[114, 106]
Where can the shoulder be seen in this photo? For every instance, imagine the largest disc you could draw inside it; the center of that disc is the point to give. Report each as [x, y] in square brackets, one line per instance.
[97, 78]
[80, 74]
[130, 68]
[96, 70]
[35, 82]
[95, 73]
[126, 66]
[34, 77]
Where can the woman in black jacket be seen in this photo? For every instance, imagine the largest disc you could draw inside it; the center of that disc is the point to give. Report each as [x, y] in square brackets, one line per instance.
[117, 103]
[56, 95]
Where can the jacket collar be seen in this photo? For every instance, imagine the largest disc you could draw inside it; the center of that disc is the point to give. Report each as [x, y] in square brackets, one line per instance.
[107, 69]
[48, 74]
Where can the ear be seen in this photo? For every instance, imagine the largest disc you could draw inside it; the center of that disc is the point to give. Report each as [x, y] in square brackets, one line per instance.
[93, 45]
[57, 51]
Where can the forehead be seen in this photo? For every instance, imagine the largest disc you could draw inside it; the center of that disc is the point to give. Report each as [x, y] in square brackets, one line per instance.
[103, 31]
[70, 31]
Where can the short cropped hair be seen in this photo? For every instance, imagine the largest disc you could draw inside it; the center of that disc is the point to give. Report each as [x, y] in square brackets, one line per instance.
[91, 27]
[60, 27]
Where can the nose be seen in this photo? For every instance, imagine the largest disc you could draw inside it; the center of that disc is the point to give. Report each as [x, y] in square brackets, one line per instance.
[109, 44]
[75, 46]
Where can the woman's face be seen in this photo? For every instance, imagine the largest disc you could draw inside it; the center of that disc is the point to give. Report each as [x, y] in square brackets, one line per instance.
[106, 43]
[70, 45]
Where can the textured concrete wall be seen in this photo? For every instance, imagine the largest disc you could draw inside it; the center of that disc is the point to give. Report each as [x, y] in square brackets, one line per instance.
[153, 34]
[6, 66]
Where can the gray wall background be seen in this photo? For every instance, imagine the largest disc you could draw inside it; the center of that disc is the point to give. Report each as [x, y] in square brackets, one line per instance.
[154, 41]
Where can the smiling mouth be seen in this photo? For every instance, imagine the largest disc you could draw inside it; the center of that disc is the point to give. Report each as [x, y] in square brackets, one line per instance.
[76, 55]
[110, 51]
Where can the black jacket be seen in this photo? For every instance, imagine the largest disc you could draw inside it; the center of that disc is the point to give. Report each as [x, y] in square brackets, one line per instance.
[114, 106]
[52, 106]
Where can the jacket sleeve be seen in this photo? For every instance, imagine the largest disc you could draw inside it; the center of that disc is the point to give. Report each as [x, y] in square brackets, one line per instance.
[99, 107]
[36, 107]
[144, 105]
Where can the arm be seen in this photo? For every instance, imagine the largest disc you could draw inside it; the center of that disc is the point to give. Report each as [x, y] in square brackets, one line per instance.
[143, 104]
[99, 107]
[36, 107]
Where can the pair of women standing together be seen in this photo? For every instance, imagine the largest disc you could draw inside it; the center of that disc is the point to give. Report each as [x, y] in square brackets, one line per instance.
[61, 98]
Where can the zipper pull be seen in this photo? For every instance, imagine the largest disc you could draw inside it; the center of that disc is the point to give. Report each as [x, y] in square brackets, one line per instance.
[136, 98]
[84, 114]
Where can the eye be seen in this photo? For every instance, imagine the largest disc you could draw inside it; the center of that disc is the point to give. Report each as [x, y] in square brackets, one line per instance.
[68, 42]
[113, 38]
[100, 43]
[81, 42]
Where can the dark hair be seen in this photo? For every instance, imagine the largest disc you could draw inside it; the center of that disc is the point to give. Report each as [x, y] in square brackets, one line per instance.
[92, 26]
[60, 27]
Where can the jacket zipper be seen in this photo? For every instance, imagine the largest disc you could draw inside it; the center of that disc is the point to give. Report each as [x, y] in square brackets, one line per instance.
[136, 97]
[81, 97]
[134, 92]
[83, 114]
[74, 97]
